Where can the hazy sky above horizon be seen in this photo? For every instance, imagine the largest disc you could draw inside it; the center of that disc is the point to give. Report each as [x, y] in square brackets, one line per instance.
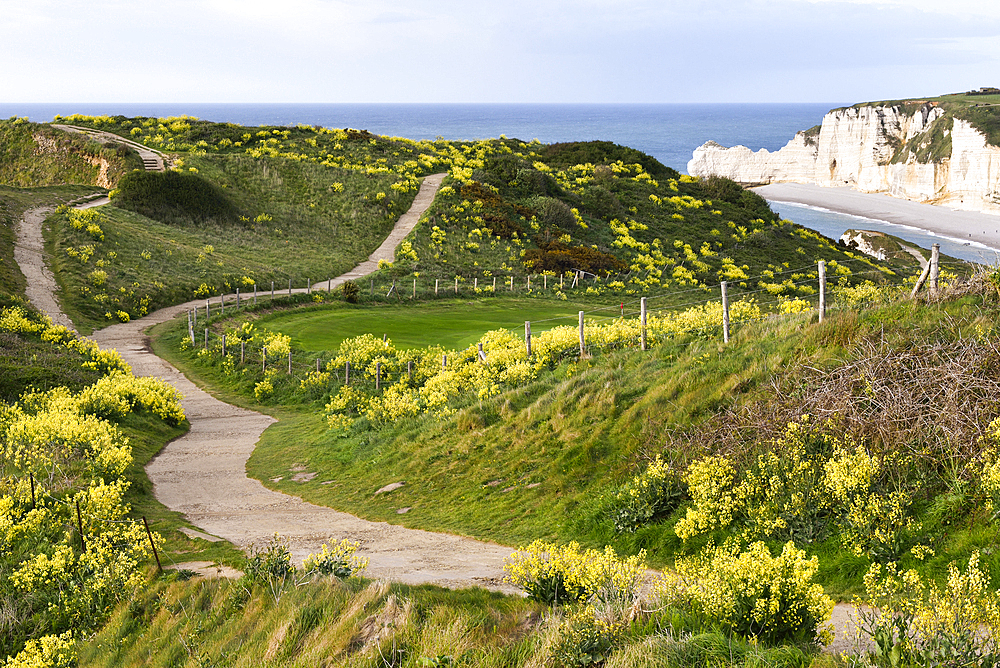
[501, 51]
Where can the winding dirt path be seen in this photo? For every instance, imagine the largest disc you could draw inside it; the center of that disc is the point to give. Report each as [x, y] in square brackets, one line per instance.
[203, 473]
[29, 253]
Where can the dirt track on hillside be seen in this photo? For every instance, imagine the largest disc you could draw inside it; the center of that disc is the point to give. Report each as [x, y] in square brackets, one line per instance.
[203, 473]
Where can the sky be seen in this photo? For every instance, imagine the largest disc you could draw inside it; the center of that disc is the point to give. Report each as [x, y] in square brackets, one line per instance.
[586, 51]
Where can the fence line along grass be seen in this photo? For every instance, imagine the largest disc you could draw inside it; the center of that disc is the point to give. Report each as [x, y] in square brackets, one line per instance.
[546, 457]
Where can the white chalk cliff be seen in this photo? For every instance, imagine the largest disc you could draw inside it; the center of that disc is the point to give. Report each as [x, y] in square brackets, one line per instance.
[874, 149]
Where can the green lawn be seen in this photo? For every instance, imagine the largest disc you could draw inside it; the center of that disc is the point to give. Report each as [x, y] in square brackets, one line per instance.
[455, 324]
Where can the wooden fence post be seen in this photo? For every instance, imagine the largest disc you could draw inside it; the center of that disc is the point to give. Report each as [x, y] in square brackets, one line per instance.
[560, 281]
[272, 290]
[822, 290]
[195, 315]
[482, 355]
[583, 342]
[289, 362]
[255, 293]
[545, 281]
[456, 285]
[309, 286]
[529, 283]
[444, 361]
[414, 295]
[494, 285]
[289, 287]
[436, 286]
[511, 288]
[475, 284]
[223, 345]
[206, 338]
[527, 336]
[317, 365]
[378, 375]
[149, 534]
[371, 289]
[237, 297]
[725, 312]
[935, 268]
[243, 352]
[642, 323]
[32, 491]
[329, 285]
[222, 304]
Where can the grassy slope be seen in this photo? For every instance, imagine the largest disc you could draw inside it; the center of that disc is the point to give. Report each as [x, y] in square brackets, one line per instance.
[168, 262]
[683, 240]
[324, 191]
[221, 623]
[13, 203]
[358, 623]
[453, 323]
[535, 461]
[33, 154]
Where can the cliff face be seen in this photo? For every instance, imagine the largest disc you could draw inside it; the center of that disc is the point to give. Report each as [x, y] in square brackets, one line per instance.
[927, 156]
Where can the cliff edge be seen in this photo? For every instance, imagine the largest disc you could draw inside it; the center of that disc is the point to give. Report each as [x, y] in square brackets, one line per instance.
[932, 151]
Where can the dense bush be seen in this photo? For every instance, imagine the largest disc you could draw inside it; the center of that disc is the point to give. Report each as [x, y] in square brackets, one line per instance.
[174, 196]
[559, 574]
[604, 152]
[905, 620]
[752, 593]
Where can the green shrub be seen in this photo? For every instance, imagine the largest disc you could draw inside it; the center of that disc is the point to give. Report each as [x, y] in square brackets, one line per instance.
[339, 561]
[905, 620]
[583, 640]
[557, 574]
[752, 593]
[174, 195]
[652, 494]
[350, 291]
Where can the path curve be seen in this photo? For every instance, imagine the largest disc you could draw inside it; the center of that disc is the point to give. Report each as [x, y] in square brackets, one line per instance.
[203, 473]
[152, 160]
[29, 253]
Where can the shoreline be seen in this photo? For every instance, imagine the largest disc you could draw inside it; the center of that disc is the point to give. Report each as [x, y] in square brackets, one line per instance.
[966, 227]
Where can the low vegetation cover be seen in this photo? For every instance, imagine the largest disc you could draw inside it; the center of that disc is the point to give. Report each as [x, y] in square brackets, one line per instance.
[858, 483]
[70, 551]
[308, 203]
[35, 154]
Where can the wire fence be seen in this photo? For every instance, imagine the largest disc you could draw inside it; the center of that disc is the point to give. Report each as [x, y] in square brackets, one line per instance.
[663, 304]
[89, 519]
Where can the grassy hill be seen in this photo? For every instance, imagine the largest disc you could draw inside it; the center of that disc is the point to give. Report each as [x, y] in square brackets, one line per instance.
[551, 457]
[35, 154]
[246, 206]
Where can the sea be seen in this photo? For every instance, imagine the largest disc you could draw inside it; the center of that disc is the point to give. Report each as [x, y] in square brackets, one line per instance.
[668, 132]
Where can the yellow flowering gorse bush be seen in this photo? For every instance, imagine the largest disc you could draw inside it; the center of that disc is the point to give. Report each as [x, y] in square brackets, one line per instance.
[566, 573]
[751, 592]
